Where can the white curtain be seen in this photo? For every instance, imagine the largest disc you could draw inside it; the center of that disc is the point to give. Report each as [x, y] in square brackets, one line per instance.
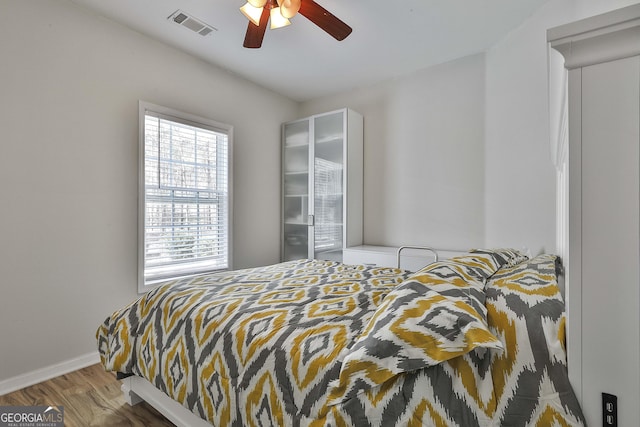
[558, 112]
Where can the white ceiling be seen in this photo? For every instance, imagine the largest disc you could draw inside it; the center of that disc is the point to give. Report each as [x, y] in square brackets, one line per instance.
[390, 38]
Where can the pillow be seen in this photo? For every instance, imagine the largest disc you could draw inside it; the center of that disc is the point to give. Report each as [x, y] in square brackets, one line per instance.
[465, 276]
[436, 314]
[526, 312]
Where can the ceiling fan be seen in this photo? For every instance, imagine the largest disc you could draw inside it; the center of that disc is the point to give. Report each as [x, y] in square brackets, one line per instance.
[259, 12]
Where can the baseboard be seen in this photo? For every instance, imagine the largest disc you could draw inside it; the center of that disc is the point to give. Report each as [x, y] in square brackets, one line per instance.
[46, 373]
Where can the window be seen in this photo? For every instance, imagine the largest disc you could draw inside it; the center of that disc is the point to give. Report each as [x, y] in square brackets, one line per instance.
[184, 195]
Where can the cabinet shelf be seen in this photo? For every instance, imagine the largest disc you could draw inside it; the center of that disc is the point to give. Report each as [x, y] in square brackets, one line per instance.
[296, 135]
[296, 145]
[337, 139]
[329, 196]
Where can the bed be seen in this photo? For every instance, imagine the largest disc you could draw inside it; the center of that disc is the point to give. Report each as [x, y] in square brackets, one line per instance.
[477, 340]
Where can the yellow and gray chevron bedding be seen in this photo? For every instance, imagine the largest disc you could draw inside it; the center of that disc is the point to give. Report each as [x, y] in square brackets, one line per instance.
[472, 341]
[526, 310]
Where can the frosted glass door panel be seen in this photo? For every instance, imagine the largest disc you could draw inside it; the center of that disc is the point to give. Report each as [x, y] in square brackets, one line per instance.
[328, 186]
[296, 190]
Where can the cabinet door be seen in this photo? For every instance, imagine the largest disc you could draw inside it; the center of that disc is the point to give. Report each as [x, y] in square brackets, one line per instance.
[295, 183]
[328, 185]
[610, 234]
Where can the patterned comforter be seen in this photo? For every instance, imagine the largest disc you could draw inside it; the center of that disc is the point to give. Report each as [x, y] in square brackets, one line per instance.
[473, 341]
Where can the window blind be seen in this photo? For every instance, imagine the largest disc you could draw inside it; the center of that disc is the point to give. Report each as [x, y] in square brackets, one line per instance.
[186, 197]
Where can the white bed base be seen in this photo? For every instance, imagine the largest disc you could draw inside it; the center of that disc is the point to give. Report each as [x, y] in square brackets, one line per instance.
[137, 389]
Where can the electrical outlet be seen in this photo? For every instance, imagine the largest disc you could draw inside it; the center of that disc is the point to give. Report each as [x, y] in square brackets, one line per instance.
[609, 410]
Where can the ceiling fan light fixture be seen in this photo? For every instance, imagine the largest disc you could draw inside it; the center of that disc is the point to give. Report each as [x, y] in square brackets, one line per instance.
[277, 19]
[289, 8]
[252, 12]
[275, 11]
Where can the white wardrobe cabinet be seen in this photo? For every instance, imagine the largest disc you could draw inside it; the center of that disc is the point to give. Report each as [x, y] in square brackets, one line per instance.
[322, 185]
[602, 56]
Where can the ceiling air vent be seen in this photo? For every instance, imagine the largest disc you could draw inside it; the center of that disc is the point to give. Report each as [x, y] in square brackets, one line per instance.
[194, 24]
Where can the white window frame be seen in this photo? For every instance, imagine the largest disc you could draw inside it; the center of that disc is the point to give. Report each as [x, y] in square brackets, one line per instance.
[193, 120]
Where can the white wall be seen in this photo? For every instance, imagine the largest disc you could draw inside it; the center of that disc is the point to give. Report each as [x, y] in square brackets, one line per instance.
[423, 155]
[69, 89]
[520, 178]
[429, 135]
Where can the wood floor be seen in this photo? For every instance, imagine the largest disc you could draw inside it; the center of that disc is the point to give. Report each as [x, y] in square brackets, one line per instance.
[91, 397]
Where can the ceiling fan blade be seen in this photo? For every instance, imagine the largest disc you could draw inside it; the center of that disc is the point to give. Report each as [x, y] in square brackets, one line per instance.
[324, 19]
[255, 33]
